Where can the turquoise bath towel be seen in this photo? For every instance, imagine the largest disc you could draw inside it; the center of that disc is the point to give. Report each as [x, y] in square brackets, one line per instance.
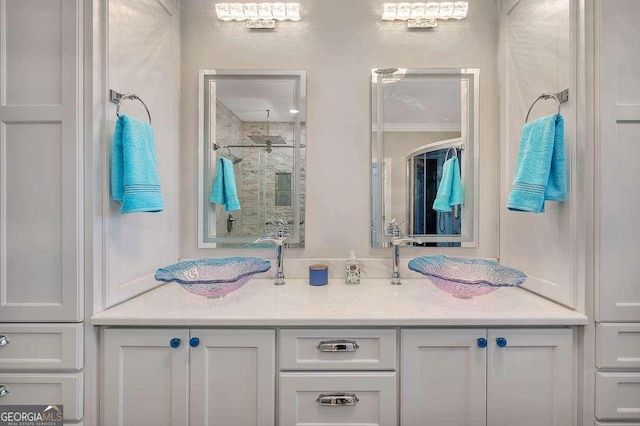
[224, 190]
[541, 172]
[134, 169]
[450, 191]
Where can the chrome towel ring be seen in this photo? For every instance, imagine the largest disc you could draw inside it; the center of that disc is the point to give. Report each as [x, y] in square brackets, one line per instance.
[560, 98]
[132, 96]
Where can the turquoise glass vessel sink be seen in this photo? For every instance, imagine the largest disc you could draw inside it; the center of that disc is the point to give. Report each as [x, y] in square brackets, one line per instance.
[213, 278]
[466, 278]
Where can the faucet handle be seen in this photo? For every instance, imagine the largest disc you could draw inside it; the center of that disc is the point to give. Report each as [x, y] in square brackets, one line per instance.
[394, 229]
[283, 229]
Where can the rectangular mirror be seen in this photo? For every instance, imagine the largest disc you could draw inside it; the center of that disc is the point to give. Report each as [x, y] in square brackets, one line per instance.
[421, 118]
[252, 128]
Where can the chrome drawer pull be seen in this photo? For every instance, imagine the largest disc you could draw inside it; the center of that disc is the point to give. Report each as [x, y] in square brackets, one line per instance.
[4, 341]
[337, 399]
[338, 346]
[3, 390]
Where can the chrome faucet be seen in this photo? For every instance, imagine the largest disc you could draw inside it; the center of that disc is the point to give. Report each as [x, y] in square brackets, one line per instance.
[278, 238]
[396, 242]
[394, 232]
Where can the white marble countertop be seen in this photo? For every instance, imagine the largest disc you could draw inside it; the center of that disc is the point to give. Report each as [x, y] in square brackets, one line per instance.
[374, 302]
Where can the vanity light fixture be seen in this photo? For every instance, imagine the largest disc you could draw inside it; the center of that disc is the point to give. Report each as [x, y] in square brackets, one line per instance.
[388, 75]
[424, 15]
[258, 15]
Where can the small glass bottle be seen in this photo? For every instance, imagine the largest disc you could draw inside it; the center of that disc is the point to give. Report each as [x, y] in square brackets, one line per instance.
[352, 269]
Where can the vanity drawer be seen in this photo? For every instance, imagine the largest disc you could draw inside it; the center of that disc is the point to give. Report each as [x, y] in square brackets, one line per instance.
[618, 396]
[618, 345]
[45, 389]
[337, 349]
[357, 398]
[41, 347]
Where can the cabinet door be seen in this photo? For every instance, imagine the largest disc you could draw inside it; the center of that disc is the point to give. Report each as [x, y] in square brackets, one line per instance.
[232, 377]
[40, 161]
[144, 378]
[530, 378]
[618, 281]
[443, 378]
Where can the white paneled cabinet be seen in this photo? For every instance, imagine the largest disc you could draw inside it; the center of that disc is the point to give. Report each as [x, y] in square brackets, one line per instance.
[40, 161]
[444, 377]
[232, 377]
[477, 377]
[452, 377]
[530, 379]
[175, 377]
[145, 379]
[618, 272]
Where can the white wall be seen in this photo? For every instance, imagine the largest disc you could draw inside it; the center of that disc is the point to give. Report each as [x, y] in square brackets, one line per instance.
[337, 43]
[539, 56]
[141, 57]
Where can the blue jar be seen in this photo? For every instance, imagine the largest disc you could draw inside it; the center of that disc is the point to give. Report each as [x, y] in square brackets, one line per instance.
[318, 275]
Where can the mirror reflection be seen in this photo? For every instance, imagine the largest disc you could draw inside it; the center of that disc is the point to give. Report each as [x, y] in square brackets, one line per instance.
[424, 156]
[252, 156]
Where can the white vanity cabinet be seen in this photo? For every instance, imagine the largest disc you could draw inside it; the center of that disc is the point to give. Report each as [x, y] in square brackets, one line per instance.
[185, 377]
[479, 377]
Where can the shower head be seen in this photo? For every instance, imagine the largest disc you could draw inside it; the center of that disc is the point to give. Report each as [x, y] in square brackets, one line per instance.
[234, 159]
[268, 139]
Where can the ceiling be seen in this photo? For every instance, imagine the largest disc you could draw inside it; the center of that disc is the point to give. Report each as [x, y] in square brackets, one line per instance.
[250, 98]
[429, 104]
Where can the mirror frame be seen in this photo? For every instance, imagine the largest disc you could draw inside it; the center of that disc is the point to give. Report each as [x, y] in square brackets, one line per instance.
[469, 171]
[204, 142]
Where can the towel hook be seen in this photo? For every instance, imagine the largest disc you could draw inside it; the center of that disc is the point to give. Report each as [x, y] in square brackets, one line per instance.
[132, 96]
[455, 152]
[544, 96]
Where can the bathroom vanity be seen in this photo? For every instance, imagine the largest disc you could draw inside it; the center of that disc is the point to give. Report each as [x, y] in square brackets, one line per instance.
[373, 354]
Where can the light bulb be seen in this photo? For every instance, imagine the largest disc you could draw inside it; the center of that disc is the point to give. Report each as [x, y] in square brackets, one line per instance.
[432, 10]
[293, 11]
[237, 11]
[446, 10]
[389, 11]
[264, 11]
[251, 11]
[418, 10]
[460, 10]
[222, 10]
[279, 11]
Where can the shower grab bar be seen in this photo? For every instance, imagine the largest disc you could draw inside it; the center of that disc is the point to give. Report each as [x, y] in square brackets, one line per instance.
[117, 98]
[560, 98]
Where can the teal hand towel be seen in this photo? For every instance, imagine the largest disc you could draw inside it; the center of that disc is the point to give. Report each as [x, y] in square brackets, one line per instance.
[450, 190]
[134, 168]
[224, 190]
[541, 172]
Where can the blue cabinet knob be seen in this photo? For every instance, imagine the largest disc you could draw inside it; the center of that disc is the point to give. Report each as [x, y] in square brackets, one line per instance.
[482, 342]
[194, 342]
[501, 342]
[174, 343]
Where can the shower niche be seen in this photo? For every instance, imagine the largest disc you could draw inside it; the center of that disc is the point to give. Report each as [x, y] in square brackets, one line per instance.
[256, 119]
